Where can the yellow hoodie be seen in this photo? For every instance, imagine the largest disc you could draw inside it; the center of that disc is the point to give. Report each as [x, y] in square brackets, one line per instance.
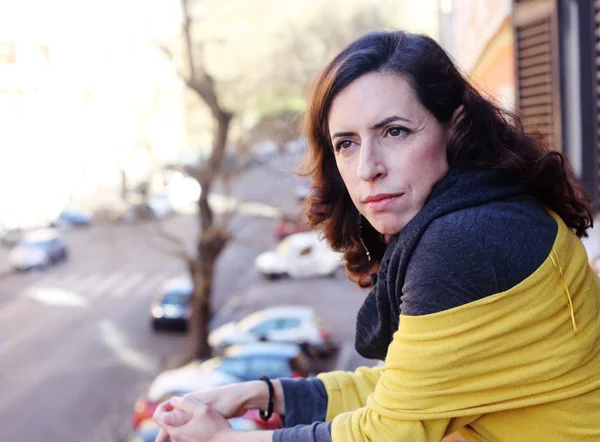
[521, 365]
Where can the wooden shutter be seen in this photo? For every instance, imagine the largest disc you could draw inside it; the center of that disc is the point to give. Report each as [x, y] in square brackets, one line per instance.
[538, 81]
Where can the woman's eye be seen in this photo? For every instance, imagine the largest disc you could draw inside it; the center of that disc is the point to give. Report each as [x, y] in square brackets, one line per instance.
[396, 132]
[343, 145]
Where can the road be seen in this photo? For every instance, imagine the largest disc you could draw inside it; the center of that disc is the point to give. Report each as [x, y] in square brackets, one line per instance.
[75, 343]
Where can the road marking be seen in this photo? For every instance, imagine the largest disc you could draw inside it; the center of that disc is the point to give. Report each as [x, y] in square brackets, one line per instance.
[150, 285]
[105, 284]
[58, 297]
[40, 281]
[85, 283]
[116, 341]
[127, 285]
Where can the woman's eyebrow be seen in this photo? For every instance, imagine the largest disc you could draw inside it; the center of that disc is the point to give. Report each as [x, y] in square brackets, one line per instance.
[388, 120]
[342, 134]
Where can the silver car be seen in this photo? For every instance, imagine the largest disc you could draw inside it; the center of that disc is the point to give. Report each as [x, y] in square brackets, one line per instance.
[172, 305]
[38, 249]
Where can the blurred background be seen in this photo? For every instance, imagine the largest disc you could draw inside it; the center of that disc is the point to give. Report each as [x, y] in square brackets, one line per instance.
[152, 241]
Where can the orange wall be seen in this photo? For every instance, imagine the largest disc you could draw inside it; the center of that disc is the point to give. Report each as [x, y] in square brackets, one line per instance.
[486, 51]
[494, 71]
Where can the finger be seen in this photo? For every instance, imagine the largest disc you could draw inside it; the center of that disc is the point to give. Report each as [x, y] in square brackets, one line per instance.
[191, 405]
[175, 418]
[162, 436]
[166, 406]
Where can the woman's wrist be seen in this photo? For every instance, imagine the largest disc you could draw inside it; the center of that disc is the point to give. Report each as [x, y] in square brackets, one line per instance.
[257, 397]
[243, 436]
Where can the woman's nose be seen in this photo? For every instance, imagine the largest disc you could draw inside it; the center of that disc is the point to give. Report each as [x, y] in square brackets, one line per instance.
[370, 165]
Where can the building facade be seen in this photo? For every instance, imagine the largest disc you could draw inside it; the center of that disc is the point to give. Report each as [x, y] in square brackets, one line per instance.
[486, 52]
[557, 52]
[546, 55]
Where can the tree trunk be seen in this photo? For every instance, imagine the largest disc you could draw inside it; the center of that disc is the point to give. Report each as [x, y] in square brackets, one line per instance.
[212, 240]
[211, 244]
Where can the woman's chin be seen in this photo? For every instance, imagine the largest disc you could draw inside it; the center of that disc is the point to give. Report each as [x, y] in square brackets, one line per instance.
[387, 230]
[391, 223]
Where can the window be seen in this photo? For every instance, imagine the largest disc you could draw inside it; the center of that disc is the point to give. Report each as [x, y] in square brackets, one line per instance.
[287, 323]
[7, 53]
[272, 367]
[235, 367]
[265, 327]
[538, 94]
[176, 298]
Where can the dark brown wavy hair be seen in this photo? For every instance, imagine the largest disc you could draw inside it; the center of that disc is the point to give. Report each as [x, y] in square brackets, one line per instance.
[482, 135]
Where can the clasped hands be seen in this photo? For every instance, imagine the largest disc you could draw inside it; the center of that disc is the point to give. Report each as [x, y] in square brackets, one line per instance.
[202, 416]
[187, 419]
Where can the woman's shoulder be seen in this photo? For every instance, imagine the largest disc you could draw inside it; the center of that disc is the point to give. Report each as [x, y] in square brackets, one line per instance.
[476, 252]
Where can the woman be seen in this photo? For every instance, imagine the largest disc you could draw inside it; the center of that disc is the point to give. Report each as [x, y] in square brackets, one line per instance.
[483, 307]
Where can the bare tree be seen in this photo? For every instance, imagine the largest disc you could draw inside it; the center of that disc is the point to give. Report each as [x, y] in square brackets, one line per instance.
[213, 231]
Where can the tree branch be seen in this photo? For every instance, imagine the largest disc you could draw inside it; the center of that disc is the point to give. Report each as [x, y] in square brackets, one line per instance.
[187, 34]
[180, 250]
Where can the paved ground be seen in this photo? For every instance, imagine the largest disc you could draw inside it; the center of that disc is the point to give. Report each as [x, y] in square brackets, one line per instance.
[75, 340]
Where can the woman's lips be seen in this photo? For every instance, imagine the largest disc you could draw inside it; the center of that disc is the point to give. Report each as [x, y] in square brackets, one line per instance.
[378, 204]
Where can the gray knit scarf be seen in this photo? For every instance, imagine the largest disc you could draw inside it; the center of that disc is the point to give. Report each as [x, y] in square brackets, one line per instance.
[379, 316]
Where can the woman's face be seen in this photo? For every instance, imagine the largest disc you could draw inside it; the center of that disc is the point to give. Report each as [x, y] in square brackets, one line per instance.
[389, 150]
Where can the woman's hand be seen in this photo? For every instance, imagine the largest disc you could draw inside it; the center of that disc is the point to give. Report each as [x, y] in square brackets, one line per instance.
[235, 399]
[187, 419]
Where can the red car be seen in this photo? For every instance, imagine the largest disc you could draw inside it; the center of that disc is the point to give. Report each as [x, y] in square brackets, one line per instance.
[287, 225]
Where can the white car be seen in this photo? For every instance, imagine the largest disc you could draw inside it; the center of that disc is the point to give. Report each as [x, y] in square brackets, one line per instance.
[301, 255]
[190, 377]
[38, 249]
[295, 324]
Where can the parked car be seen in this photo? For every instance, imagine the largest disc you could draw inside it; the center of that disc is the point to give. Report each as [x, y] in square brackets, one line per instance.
[301, 255]
[251, 361]
[288, 224]
[238, 363]
[172, 305]
[72, 217]
[38, 249]
[297, 324]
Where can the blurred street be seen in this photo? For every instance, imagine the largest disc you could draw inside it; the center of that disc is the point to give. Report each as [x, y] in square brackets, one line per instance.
[76, 342]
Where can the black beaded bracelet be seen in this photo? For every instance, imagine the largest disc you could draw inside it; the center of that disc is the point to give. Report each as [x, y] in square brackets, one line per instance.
[267, 415]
